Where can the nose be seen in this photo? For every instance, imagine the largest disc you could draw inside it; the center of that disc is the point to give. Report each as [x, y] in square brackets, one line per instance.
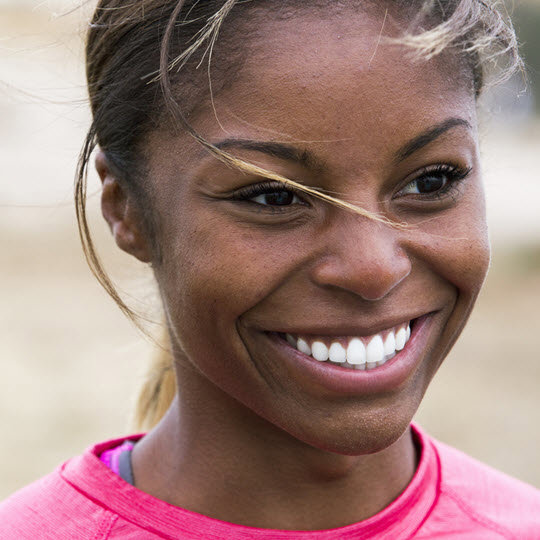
[362, 256]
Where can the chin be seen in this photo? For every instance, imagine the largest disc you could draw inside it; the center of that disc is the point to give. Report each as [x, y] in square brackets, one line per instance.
[357, 430]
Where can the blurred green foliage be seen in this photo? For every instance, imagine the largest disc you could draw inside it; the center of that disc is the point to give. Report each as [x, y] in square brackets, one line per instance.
[526, 18]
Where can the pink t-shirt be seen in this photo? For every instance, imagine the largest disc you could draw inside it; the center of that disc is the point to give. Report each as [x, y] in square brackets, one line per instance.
[451, 496]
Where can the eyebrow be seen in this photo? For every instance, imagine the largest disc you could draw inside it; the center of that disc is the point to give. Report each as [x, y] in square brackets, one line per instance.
[309, 160]
[428, 136]
[274, 149]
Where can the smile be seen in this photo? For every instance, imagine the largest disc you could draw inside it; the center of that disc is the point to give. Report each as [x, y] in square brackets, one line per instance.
[354, 352]
[352, 361]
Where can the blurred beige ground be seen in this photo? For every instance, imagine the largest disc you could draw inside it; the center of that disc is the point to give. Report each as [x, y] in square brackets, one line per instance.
[71, 363]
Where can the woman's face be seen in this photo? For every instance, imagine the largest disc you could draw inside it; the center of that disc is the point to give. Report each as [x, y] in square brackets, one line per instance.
[252, 273]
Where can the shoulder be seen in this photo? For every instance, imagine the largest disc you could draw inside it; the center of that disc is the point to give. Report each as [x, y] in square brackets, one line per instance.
[71, 502]
[52, 508]
[487, 496]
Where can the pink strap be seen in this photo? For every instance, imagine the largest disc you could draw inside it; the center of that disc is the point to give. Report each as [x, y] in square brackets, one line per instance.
[110, 457]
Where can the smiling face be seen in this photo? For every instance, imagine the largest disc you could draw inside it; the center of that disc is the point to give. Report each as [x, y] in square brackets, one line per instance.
[261, 284]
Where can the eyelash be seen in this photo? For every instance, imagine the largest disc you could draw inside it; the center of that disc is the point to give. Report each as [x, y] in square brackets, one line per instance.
[454, 175]
[270, 186]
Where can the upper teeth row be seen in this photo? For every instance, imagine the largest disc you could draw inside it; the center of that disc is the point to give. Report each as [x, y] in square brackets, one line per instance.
[356, 353]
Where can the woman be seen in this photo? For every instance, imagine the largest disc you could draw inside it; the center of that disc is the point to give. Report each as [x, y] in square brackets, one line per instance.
[304, 179]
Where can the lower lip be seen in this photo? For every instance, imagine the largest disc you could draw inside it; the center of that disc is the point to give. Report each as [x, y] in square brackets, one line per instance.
[335, 379]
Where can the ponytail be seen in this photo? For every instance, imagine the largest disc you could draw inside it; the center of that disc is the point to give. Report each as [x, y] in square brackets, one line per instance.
[158, 390]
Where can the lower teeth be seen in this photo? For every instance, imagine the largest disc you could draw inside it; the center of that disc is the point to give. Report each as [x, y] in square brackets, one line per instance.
[366, 366]
[363, 367]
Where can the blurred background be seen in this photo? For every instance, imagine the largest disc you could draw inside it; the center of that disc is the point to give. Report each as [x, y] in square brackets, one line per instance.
[71, 363]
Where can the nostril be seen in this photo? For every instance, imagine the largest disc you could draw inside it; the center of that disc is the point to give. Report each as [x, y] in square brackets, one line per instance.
[370, 266]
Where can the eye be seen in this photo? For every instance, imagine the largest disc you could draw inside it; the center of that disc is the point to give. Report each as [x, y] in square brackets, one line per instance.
[435, 181]
[277, 198]
[268, 194]
[426, 184]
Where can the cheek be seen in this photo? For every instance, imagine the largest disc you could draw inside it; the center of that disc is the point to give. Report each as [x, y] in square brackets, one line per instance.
[471, 249]
[462, 261]
[456, 244]
[214, 271]
[453, 249]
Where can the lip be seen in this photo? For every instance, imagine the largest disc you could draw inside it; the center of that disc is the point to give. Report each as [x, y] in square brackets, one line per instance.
[328, 330]
[334, 379]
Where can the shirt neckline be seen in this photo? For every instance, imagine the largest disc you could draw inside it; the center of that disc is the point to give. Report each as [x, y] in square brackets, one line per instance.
[401, 519]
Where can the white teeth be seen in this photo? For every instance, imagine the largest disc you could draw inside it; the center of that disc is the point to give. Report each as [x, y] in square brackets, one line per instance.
[375, 350]
[356, 355]
[337, 353]
[303, 347]
[356, 352]
[401, 339]
[390, 344]
[319, 351]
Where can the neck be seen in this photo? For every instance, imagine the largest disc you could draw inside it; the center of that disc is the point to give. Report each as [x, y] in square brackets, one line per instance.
[220, 459]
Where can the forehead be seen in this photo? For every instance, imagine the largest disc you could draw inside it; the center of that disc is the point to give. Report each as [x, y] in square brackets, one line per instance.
[333, 76]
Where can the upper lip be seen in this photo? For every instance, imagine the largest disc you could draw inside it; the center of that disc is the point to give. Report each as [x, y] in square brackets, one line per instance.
[346, 329]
